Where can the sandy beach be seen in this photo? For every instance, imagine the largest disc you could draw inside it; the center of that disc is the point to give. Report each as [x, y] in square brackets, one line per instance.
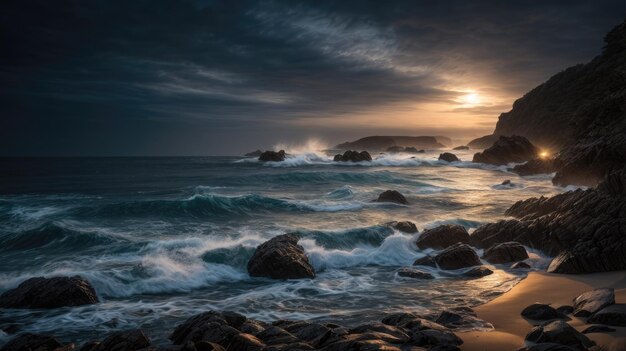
[511, 328]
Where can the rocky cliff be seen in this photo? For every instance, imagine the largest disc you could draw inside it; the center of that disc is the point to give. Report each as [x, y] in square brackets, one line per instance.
[384, 142]
[581, 113]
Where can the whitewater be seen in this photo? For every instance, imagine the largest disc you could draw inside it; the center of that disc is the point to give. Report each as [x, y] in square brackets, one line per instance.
[162, 239]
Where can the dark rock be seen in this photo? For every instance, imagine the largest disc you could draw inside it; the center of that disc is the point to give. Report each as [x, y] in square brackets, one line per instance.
[412, 150]
[614, 315]
[405, 227]
[559, 332]
[506, 150]
[414, 273]
[275, 335]
[50, 293]
[392, 196]
[483, 142]
[506, 252]
[353, 156]
[593, 301]
[208, 346]
[395, 149]
[35, 342]
[208, 326]
[245, 342]
[251, 327]
[256, 153]
[478, 272]
[418, 324]
[308, 331]
[442, 237]
[398, 319]
[565, 309]
[520, 265]
[432, 337]
[281, 258]
[425, 261]
[382, 328]
[384, 142]
[273, 156]
[455, 318]
[598, 329]
[507, 182]
[457, 256]
[539, 311]
[89, 346]
[462, 147]
[547, 346]
[582, 229]
[535, 166]
[448, 157]
[124, 340]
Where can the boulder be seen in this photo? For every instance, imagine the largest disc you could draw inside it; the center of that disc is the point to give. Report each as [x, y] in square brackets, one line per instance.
[405, 227]
[442, 237]
[432, 337]
[353, 156]
[208, 326]
[462, 147]
[396, 332]
[540, 311]
[507, 182]
[478, 272]
[614, 315]
[598, 329]
[275, 156]
[392, 196]
[399, 319]
[124, 340]
[50, 293]
[35, 342]
[256, 153]
[506, 150]
[505, 252]
[593, 301]
[547, 346]
[281, 258]
[275, 335]
[535, 166]
[457, 256]
[414, 273]
[461, 317]
[565, 309]
[520, 265]
[245, 342]
[425, 261]
[448, 157]
[559, 332]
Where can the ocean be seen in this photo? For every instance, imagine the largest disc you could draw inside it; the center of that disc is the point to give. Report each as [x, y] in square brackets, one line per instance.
[162, 239]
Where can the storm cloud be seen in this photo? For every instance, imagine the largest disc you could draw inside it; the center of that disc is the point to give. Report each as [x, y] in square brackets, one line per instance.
[223, 77]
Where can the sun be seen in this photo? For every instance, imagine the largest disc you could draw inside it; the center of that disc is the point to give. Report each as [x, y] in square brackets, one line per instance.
[471, 98]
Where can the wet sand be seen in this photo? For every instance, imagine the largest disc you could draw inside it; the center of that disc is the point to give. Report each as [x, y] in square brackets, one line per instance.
[556, 289]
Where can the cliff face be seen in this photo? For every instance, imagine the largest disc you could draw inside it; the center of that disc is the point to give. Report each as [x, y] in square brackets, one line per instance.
[580, 112]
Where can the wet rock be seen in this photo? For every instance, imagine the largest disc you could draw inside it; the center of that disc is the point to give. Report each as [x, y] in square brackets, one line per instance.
[506, 252]
[308, 331]
[382, 328]
[251, 327]
[432, 337]
[281, 258]
[536, 166]
[392, 196]
[418, 324]
[457, 256]
[614, 315]
[593, 301]
[442, 237]
[462, 147]
[478, 272]
[50, 293]
[208, 326]
[353, 156]
[124, 340]
[274, 156]
[506, 150]
[398, 319]
[565, 309]
[448, 157]
[520, 265]
[598, 329]
[547, 346]
[414, 273]
[89, 346]
[35, 342]
[539, 311]
[276, 335]
[507, 182]
[208, 346]
[425, 261]
[559, 332]
[256, 153]
[405, 227]
[245, 342]
[463, 317]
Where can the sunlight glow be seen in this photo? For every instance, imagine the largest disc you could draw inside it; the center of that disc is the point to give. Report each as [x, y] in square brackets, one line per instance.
[471, 98]
[544, 154]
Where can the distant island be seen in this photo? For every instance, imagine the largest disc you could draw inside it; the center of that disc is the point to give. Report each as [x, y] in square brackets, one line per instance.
[375, 143]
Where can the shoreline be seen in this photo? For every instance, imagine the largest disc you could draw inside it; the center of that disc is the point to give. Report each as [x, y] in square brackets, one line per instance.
[555, 289]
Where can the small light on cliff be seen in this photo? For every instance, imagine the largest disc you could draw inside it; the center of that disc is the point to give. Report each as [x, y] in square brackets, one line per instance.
[544, 154]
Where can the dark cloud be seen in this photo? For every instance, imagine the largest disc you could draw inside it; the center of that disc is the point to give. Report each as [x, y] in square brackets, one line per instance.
[221, 77]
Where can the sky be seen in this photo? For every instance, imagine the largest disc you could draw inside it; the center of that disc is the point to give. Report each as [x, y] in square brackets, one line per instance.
[205, 77]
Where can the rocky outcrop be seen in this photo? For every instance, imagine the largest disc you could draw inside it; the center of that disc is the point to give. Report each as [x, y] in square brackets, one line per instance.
[442, 237]
[462, 147]
[378, 143]
[274, 156]
[414, 273]
[124, 340]
[590, 302]
[506, 150]
[405, 226]
[428, 261]
[478, 272]
[448, 157]
[281, 258]
[353, 156]
[457, 256]
[505, 253]
[582, 229]
[559, 332]
[256, 153]
[535, 166]
[392, 196]
[35, 342]
[50, 293]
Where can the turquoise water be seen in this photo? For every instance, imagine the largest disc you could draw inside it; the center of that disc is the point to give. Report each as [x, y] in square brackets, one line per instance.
[164, 238]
